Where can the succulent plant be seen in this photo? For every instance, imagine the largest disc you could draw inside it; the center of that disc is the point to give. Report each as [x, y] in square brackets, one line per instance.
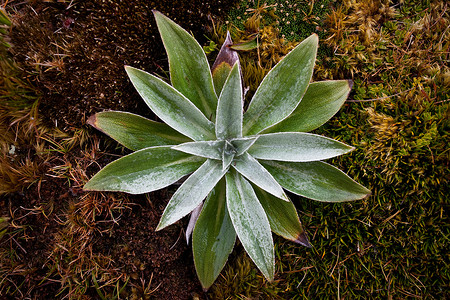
[240, 162]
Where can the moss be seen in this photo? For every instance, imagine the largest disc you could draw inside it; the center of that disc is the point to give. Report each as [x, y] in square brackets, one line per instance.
[392, 244]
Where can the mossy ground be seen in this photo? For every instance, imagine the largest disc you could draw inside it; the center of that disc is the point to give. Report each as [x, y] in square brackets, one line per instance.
[59, 242]
[394, 244]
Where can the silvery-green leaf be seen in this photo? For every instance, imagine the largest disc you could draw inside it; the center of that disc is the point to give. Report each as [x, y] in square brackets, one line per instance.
[224, 62]
[228, 154]
[250, 223]
[321, 101]
[296, 147]
[144, 171]
[192, 192]
[208, 149]
[255, 172]
[188, 64]
[283, 217]
[214, 236]
[171, 106]
[316, 180]
[229, 107]
[243, 144]
[135, 132]
[282, 89]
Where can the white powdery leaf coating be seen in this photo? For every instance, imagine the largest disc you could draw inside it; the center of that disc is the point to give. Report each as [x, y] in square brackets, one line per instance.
[171, 106]
[256, 173]
[192, 192]
[282, 88]
[243, 144]
[229, 107]
[250, 222]
[189, 69]
[208, 149]
[144, 171]
[296, 147]
[316, 180]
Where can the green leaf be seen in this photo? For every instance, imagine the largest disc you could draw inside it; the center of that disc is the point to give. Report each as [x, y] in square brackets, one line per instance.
[282, 217]
[321, 101]
[213, 238]
[189, 68]
[243, 144]
[229, 107]
[144, 171]
[192, 192]
[282, 89]
[228, 155]
[208, 149]
[296, 147]
[225, 60]
[246, 46]
[251, 169]
[250, 223]
[316, 180]
[135, 132]
[171, 106]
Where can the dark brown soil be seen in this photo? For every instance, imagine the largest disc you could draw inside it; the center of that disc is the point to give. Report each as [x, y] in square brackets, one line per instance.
[74, 53]
[80, 50]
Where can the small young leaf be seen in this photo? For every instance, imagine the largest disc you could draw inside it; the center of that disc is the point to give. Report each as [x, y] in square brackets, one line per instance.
[171, 106]
[213, 238]
[243, 144]
[246, 46]
[192, 220]
[135, 132]
[255, 172]
[188, 64]
[229, 107]
[192, 192]
[283, 217]
[296, 147]
[208, 149]
[225, 60]
[321, 101]
[144, 171]
[282, 89]
[228, 154]
[250, 223]
[316, 180]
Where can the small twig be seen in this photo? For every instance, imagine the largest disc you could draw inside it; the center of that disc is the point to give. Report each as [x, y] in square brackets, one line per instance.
[14, 240]
[443, 101]
[302, 279]
[382, 98]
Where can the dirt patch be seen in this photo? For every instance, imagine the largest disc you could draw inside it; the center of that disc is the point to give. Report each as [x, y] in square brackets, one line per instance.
[78, 51]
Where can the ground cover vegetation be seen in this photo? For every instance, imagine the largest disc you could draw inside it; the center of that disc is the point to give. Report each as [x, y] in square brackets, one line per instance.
[393, 244]
[59, 242]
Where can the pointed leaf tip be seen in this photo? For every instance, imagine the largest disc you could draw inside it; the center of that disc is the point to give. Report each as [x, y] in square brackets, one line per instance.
[350, 84]
[92, 120]
[302, 239]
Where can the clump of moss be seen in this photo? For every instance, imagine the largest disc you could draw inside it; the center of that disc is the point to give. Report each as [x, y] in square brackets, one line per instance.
[295, 20]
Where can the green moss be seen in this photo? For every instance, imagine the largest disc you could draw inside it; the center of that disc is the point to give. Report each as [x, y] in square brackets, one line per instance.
[394, 243]
[296, 20]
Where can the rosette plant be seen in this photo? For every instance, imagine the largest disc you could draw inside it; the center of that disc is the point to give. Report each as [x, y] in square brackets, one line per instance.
[240, 162]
